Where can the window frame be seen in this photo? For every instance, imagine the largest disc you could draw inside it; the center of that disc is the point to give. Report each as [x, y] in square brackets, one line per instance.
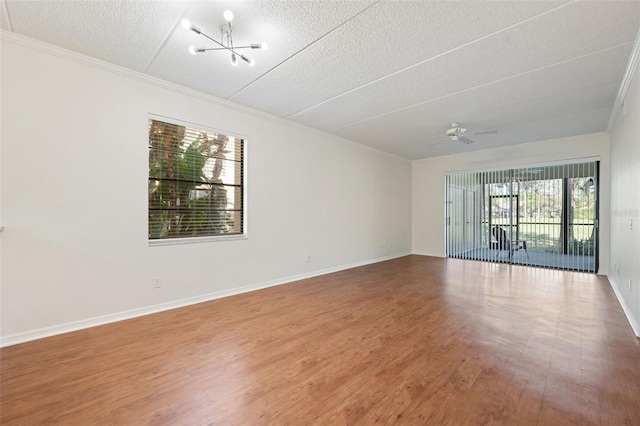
[244, 162]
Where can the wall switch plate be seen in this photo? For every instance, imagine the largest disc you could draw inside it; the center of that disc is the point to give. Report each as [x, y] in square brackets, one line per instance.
[156, 282]
[629, 285]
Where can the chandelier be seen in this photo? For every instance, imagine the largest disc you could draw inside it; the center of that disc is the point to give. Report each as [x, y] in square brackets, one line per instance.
[226, 40]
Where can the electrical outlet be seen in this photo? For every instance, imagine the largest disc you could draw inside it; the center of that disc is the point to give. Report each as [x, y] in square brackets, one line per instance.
[308, 259]
[157, 283]
[630, 224]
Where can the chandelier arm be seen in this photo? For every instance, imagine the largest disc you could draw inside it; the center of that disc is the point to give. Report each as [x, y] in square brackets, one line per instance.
[223, 47]
[230, 44]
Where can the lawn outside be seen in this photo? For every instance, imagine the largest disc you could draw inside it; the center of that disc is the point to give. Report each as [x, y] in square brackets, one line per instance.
[545, 236]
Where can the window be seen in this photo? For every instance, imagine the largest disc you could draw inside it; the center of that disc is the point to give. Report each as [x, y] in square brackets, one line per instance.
[196, 182]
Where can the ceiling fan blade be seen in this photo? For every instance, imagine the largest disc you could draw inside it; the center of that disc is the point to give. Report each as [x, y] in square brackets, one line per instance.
[465, 139]
[439, 142]
[484, 132]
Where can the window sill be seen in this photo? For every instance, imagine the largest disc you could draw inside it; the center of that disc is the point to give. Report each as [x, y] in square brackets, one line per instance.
[196, 240]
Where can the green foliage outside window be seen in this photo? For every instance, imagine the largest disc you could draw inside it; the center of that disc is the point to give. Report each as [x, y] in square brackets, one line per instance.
[195, 182]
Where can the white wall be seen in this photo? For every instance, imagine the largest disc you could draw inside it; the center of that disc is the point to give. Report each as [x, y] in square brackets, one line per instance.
[625, 203]
[74, 197]
[429, 176]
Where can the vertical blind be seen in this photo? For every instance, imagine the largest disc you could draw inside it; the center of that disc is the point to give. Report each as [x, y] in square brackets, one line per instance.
[541, 216]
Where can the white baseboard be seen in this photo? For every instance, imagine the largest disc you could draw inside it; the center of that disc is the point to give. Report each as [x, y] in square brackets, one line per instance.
[420, 253]
[14, 339]
[632, 321]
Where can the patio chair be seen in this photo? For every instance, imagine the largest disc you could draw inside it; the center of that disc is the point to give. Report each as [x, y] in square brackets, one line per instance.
[503, 243]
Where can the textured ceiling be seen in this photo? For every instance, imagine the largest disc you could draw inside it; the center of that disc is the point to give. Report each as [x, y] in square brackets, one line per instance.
[389, 74]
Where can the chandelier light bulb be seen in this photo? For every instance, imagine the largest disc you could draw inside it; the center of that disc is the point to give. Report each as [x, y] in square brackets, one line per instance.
[252, 62]
[228, 15]
[264, 46]
[192, 50]
[234, 60]
[186, 24]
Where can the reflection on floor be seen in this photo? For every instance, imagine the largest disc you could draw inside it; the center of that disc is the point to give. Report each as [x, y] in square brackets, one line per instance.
[532, 258]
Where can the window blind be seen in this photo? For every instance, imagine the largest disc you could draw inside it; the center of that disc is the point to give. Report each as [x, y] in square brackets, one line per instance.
[196, 186]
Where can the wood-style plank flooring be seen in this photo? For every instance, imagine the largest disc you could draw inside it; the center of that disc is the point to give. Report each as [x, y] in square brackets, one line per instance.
[415, 340]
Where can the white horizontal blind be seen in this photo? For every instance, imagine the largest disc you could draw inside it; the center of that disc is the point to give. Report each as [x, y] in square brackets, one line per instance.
[541, 216]
[196, 183]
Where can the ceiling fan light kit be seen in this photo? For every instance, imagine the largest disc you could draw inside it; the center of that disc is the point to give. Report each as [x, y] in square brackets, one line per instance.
[455, 131]
[226, 40]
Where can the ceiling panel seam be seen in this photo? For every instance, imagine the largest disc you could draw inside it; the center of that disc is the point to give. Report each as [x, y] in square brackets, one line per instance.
[5, 9]
[479, 86]
[166, 39]
[431, 58]
[303, 49]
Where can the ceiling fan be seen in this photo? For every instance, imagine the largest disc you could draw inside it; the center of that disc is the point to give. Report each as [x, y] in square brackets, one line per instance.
[458, 133]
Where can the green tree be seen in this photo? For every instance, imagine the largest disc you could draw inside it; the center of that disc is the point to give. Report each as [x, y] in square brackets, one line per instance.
[186, 195]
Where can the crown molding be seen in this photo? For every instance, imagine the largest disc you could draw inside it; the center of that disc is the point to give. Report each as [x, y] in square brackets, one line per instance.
[163, 84]
[632, 66]
[129, 73]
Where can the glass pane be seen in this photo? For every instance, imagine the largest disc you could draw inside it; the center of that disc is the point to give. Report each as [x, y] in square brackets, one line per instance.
[546, 215]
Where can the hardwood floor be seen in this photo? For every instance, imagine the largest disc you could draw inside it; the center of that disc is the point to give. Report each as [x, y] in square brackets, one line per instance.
[415, 340]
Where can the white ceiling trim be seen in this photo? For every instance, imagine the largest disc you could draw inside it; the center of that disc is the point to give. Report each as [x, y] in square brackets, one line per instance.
[163, 84]
[634, 60]
[433, 58]
[144, 78]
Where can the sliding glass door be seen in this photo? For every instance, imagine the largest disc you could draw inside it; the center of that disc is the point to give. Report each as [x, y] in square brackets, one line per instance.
[540, 216]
